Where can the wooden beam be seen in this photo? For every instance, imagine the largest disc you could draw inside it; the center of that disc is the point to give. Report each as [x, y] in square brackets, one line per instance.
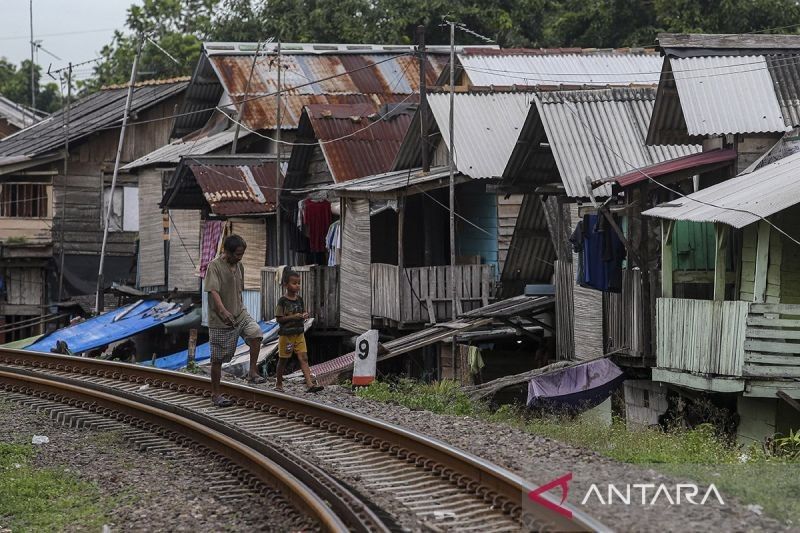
[401, 219]
[762, 262]
[788, 399]
[632, 252]
[720, 260]
[667, 227]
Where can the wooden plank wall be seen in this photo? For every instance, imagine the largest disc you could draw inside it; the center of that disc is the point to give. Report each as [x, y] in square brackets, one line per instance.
[701, 336]
[319, 287]
[254, 233]
[25, 286]
[624, 315]
[772, 345]
[425, 294]
[355, 296]
[385, 291]
[184, 250]
[507, 212]
[565, 347]
[151, 263]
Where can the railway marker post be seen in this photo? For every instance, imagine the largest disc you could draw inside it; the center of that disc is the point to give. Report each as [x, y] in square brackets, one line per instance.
[366, 358]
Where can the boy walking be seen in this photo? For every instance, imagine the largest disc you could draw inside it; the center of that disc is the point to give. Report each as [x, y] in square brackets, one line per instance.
[227, 317]
[290, 313]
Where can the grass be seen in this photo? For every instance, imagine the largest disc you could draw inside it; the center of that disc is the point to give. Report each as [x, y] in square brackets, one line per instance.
[697, 454]
[44, 499]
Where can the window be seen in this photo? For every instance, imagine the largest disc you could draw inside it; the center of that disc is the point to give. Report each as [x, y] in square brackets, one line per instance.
[124, 209]
[23, 200]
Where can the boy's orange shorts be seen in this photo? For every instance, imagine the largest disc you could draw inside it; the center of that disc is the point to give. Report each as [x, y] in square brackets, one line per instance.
[289, 344]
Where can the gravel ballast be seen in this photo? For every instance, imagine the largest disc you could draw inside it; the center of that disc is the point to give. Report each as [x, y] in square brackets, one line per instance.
[539, 460]
[146, 491]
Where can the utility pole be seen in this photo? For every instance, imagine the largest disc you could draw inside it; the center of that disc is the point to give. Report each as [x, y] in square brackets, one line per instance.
[64, 183]
[244, 101]
[126, 113]
[278, 191]
[423, 99]
[33, 68]
[452, 170]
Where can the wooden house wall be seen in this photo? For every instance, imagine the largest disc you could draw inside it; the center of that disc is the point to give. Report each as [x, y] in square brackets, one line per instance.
[24, 287]
[318, 171]
[355, 294]
[790, 258]
[254, 233]
[6, 128]
[184, 250]
[91, 167]
[507, 212]
[151, 264]
[751, 147]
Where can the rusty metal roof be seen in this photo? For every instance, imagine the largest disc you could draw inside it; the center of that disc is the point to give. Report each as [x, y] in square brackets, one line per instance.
[227, 185]
[373, 77]
[356, 140]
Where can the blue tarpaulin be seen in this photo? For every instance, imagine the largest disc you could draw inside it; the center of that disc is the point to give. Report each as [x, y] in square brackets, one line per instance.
[202, 352]
[102, 330]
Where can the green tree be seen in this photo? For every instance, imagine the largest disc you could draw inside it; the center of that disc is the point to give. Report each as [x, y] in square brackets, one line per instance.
[177, 26]
[180, 26]
[15, 84]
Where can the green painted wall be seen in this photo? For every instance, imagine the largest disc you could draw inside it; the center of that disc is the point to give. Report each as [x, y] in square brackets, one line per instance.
[693, 246]
[749, 240]
[480, 208]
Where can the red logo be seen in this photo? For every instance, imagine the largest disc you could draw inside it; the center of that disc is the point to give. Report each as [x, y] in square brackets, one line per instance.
[563, 482]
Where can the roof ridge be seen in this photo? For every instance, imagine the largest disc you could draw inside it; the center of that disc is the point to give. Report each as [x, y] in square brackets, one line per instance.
[147, 83]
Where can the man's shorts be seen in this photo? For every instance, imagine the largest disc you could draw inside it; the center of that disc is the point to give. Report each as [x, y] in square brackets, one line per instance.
[223, 340]
[289, 344]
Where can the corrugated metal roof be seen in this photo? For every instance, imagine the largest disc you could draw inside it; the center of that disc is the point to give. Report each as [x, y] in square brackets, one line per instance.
[597, 134]
[693, 162]
[706, 77]
[721, 95]
[413, 180]
[230, 185]
[236, 48]
[742, 200]
[345, 78]
[486, 126]
[17, 114]
[173, 152]
[554, 67]
[96, 111]
[366, 142]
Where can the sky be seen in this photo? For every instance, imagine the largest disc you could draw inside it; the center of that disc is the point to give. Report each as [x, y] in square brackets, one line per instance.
[85, 26]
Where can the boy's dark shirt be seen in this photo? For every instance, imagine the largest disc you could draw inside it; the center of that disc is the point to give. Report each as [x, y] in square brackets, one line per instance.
[286, 307]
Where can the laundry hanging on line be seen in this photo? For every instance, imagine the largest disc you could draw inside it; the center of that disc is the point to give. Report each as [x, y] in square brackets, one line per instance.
[600, 254]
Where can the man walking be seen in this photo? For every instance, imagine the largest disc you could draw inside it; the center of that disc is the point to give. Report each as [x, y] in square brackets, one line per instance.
[227, 317]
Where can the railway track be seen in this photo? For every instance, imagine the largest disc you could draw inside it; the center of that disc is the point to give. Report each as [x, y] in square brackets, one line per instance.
[313, 454]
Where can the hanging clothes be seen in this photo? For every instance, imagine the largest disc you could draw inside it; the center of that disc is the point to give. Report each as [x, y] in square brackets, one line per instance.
[297, 241]
[212, 234]
[333, 242]
[600, 254]
[475, 360]
[317, 219]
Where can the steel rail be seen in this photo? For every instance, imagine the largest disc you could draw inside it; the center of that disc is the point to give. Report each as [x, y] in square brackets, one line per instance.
[494, 484]
[254, 462]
